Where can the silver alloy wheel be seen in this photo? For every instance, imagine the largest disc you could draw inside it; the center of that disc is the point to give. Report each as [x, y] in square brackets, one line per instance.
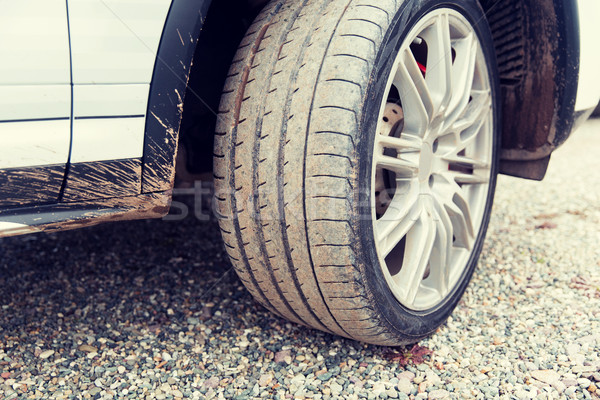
[432, 159]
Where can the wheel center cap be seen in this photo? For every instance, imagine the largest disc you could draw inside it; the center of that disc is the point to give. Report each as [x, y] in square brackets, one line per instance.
[425, 162]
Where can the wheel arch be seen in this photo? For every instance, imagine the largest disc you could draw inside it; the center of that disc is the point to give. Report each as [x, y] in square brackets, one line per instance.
[537, 48]
[176, 50]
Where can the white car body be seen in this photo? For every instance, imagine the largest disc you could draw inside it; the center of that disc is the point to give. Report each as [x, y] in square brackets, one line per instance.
[85, 67]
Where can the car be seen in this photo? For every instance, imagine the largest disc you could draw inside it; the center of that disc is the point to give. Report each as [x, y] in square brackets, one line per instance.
[354, 144]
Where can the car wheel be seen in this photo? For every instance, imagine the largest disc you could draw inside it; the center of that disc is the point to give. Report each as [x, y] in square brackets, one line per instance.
[355, 162]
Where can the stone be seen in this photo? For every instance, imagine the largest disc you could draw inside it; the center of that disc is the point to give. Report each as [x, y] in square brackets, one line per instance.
[438, 394]
[559, 386]
[404, 385]
[569, 382]
[46, 354]
[324, 377]
[265, 379]
[280, 356]
[433, 379]
[547, 376]
[378, 388]
[86, 348]
[584, 382]
[212, 382]
[336, 388]
[407, 375]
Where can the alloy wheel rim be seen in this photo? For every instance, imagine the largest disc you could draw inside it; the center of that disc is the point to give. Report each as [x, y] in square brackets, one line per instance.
[432, 159]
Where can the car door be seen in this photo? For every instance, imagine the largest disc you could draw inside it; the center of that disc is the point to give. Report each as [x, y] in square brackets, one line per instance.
[113, 47]
[35, 100]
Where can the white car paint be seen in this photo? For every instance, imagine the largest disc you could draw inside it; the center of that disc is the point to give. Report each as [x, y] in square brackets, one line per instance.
[38, 49]
[125, 100]
[27, 102]
[35, 83]
[34, 143]
[115, 41]
[588, 92]
[108, 138]
[114, 45]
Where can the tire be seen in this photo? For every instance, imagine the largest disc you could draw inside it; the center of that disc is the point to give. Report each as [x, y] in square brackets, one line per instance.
[296, 167]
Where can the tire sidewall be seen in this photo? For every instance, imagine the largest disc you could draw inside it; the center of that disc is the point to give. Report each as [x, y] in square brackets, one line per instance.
[401, 320]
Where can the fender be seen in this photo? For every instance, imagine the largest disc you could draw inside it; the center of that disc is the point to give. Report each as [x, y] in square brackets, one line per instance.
[537, 46]
[167, 91]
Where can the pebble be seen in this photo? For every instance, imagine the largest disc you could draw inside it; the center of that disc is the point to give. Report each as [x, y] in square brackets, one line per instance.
[335, 388]
[438, 394]
[87, 348]
[404, 385]
[410, 376]
[282, 355]
[212, 382]
[546, 376]
[46, 354]
[569, 382]
[324, 377]
[584, 382]
[265, 380]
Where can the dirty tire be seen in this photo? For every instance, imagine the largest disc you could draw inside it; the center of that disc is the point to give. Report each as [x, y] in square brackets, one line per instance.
[292, 163]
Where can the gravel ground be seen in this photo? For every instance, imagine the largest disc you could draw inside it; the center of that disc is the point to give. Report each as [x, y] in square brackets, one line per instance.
[151, 309]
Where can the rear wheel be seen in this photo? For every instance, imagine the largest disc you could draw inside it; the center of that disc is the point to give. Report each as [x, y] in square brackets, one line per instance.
[355, 162]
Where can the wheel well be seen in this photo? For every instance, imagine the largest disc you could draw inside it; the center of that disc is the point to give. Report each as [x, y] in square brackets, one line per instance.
[537, 49]
[225, 26]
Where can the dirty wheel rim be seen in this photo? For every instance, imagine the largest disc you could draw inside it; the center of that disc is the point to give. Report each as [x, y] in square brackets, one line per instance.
[432, 159]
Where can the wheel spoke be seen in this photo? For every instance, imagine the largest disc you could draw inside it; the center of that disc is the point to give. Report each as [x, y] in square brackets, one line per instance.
[466, 161]
[476, 114]
[419, 245]
[462, 223]
[401, 144]
[403, 167]
[463, 72]
[415, 96]
[439, 61]
[469, 179]
[441, 257]
[398, 219]
[453, 199]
